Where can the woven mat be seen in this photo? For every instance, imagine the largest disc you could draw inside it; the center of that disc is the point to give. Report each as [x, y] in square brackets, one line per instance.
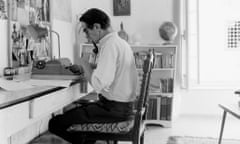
[199, 140]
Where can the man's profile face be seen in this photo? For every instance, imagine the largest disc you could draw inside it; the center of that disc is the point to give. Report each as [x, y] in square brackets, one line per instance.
[91, 34]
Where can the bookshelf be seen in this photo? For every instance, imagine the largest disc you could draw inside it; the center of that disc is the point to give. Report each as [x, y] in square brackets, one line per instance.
[161, 88]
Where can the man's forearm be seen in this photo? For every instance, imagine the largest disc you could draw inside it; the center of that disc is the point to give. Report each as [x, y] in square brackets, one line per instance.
[88, 72]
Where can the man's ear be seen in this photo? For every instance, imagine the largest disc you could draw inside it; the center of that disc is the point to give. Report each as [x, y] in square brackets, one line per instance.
[97, 26]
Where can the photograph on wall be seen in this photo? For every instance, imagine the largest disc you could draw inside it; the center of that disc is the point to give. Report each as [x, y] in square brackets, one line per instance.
[3, 9]
[45, 10]
[121, 7]
[14, 10]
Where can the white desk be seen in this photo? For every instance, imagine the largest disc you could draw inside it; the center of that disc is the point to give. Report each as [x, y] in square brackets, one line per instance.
[20, 109]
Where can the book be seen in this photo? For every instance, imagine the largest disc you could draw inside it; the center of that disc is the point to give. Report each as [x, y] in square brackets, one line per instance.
[169, 108]
[163, 111]
[158, 60]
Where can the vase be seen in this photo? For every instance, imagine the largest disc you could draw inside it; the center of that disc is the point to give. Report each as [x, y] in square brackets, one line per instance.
[122, 33]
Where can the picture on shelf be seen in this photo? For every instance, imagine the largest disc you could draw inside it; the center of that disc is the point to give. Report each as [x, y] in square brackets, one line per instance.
[139, 58]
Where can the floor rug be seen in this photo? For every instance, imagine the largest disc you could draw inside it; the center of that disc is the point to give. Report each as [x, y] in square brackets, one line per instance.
[199, 140]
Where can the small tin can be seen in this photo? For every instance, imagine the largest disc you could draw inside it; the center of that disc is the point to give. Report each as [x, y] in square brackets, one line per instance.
[8, 73]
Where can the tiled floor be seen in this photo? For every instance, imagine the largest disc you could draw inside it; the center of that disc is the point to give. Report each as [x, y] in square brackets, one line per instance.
[199, 126]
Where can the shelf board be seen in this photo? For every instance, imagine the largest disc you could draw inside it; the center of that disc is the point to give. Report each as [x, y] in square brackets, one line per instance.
[160, 69]
[161, 93]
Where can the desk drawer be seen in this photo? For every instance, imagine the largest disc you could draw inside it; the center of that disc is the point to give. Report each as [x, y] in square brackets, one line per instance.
[49, 103]
[14, 118]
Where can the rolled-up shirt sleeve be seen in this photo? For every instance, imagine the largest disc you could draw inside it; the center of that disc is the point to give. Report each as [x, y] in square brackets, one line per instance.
[104, 74]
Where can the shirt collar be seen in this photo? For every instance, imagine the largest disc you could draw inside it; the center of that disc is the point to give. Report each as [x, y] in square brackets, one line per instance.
[106, 37]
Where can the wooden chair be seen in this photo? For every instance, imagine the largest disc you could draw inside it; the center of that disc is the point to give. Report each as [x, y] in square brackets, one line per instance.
[131, 130]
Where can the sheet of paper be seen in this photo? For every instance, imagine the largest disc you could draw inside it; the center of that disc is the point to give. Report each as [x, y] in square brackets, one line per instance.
[37, 82]
[11, 85]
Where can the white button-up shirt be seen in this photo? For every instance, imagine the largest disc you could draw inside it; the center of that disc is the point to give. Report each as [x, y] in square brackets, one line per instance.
[116, 75]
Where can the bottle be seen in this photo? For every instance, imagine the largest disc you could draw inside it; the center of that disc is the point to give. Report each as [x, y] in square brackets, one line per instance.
[122, 33]
[14, 34]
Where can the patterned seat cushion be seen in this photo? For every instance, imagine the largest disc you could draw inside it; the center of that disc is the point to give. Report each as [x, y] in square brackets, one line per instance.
[117, 127]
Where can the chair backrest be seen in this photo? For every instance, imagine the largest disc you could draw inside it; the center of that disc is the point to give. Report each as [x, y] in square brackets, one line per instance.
[142, 99]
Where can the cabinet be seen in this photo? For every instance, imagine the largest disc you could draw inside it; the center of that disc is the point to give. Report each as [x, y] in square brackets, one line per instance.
[161, 88]
[27, 109]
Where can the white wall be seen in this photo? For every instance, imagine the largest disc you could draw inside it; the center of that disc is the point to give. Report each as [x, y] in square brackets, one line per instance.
[145, 19]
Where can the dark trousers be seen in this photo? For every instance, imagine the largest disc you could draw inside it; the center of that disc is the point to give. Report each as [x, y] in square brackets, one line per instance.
[102, 111]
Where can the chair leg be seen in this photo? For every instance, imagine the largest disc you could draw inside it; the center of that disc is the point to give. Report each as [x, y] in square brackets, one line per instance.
[142, 139]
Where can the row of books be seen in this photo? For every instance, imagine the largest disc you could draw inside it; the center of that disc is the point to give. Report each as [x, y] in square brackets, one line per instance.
[159, 108]
[162, 60]
[165, 86]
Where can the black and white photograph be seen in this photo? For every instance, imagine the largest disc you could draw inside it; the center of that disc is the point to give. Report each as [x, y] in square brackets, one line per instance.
[45, 10]
[119, 71]
[121, 7]
[3, 9]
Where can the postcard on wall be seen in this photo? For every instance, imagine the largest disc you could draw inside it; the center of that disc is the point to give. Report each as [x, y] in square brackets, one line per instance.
[3, 9]
[14, 10]
[46, 10]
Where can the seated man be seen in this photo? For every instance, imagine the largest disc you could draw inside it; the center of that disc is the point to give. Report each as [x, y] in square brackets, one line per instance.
[115, 79]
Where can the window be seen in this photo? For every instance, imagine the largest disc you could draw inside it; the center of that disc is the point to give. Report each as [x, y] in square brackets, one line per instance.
[212, 44]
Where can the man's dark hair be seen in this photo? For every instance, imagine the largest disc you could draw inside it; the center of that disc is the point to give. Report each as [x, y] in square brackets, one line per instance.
[93, 15]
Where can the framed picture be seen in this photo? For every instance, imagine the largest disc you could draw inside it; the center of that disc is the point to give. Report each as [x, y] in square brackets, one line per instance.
[121, 7]
[3, 9]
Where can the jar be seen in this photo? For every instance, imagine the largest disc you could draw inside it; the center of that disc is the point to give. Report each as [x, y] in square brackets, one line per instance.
[8, 73]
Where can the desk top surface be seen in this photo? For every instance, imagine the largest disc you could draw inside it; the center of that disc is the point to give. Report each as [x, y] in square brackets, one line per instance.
[232, 108]
[9, 98]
